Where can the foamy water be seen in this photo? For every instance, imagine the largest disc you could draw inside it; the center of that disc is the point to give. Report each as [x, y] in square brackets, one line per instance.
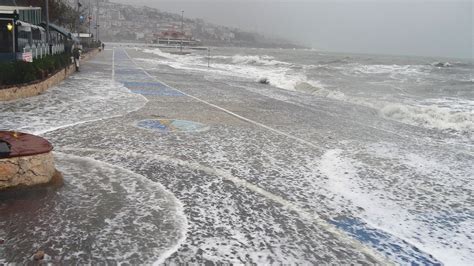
[414, 191]
[392, 89]
[441, 229]
[375, 153]
[103, 212]
[80, 99]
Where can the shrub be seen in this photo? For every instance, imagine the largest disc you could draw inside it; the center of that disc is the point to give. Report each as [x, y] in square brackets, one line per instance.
[19, 72]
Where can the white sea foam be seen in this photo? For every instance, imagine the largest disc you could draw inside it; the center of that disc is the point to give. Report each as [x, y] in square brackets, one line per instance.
[455, 115]
[278, 73]
[409, 70]
[441, 64]
[426, 220]
[142, 199]
[103, 213]
[264, 60]
[394, 72]
[78, 100]
[430, 116]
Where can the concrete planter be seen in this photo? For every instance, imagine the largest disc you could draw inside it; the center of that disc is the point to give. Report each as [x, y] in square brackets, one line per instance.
[30, 161]
[26, 171]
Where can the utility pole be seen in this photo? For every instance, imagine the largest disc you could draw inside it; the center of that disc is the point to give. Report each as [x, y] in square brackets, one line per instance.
[76, 19]
[97, 22]
[182, 30]
[48, 35]
[89, 18]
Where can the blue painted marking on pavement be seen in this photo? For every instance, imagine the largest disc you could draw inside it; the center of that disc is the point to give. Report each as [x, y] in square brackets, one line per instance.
[171, 125]
[159, 92]
[153, 124]
[385, 243]
[144, 84]
[151, 88]
[129, 71]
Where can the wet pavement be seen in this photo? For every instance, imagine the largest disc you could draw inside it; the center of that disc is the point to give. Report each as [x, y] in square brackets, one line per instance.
[165, 167]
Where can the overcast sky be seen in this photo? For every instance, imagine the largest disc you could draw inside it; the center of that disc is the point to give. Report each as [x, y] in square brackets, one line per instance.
[415, 27]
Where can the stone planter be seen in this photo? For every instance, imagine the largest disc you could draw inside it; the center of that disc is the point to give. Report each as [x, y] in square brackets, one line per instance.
[30, 162]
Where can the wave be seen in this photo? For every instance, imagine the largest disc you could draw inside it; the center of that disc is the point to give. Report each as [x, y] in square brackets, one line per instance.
[451, 64]
[388, 69]
[278, 73]
[442, 115]
[318, 90]
[264, 60]
[441, 64]
[431, 116]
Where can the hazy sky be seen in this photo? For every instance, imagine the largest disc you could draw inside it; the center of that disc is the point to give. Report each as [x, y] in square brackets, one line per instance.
[416, 27]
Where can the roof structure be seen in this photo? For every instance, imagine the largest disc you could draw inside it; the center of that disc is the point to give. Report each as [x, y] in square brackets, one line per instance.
[61, 30]
[7, 8]
[8, 2]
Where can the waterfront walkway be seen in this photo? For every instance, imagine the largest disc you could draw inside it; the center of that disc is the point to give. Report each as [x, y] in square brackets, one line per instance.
[161, 166]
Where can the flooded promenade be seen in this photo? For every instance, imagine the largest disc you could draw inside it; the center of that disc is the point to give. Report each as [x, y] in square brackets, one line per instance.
[162, 165]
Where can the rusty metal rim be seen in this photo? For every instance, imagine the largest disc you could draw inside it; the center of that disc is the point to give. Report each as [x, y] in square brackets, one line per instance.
[23, 144]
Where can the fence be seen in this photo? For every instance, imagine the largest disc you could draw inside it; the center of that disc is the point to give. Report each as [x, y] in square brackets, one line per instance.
[42, 49]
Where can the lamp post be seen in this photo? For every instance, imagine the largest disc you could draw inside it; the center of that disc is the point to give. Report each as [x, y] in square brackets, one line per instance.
[48, 36]
[182, 30]
[76, 20]
[89, 18]
[97, 22]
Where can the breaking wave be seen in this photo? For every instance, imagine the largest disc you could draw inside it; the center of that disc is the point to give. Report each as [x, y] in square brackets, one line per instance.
[408, 70]
[277, 73]
[263, 60]
[451, 64]
[318, 90]
[430, 116]
[283, 75]
[441, 64]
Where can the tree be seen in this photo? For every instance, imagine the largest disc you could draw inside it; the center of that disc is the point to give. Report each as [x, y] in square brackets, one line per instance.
[60, 12]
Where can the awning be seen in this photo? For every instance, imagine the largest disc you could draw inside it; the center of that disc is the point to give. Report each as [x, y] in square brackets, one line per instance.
[61, 31]
[27, 26]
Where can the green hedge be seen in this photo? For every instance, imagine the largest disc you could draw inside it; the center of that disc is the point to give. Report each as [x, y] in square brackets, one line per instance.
[19, 72]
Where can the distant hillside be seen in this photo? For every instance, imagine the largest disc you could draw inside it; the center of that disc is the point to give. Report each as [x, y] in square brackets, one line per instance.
[119, 22]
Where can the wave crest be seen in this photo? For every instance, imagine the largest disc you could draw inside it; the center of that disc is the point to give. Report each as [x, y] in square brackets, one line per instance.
[430, 116]
[263, 60]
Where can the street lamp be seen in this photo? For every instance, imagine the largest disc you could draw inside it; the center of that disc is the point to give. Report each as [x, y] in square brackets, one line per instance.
[48, 33]
[182, 30]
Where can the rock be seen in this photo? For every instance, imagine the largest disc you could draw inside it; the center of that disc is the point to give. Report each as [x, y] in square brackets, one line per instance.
[264, 81]
[39, 255]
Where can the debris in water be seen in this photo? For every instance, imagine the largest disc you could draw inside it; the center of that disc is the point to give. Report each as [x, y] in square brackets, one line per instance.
[264, 81]
[39, 255]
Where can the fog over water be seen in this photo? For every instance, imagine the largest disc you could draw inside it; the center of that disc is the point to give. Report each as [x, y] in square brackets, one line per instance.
[425, 28]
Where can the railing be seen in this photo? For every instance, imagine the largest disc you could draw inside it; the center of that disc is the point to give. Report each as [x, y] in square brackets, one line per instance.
[42, 50]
